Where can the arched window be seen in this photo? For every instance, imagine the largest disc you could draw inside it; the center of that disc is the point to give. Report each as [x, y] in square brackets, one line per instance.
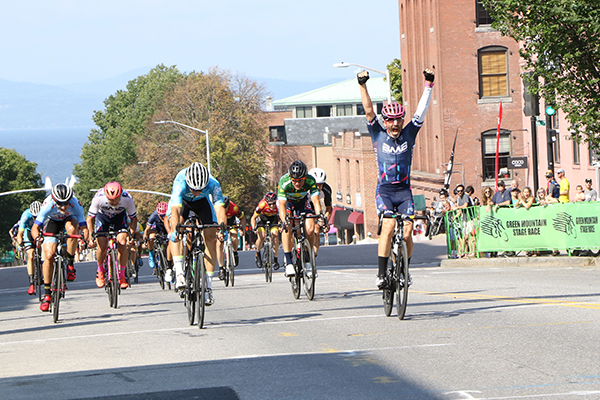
[493, 72]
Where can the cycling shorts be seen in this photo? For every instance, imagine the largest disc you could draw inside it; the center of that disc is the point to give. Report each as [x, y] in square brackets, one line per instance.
[116, 223]
[302, 206]
[201, 208]
[27, 240]
[390, 198]
[262, 222]
[54, 226]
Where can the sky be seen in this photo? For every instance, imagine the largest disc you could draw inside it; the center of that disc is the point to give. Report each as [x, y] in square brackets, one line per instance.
[70, 41]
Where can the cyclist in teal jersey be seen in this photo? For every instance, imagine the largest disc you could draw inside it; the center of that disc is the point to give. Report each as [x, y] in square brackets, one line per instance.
[24, 239]
[297, 193]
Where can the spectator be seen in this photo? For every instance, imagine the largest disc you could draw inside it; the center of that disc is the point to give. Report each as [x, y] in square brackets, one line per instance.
[514, 184]
[543, 199]
[486, 198]
[471, 192]
[463, 200]
[552, 188]
[579, 194]
[590, 194]
[526, 199]
[515, 194]
[501, 197]
[564, 186]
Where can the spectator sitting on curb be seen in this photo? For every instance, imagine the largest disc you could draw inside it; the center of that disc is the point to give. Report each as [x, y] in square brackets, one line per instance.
[590, 194]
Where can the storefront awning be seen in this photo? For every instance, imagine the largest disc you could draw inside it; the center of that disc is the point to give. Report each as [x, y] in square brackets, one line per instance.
[339, 218]
[356, 218]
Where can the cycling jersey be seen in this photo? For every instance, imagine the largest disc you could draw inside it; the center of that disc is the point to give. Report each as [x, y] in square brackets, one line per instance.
[233, 211]
[325, 194]
[49, 211]
[265, 209]
[155, 223]
[394, 156]
[181, 192]
[100, 205]
[26, 221]
[287, 191]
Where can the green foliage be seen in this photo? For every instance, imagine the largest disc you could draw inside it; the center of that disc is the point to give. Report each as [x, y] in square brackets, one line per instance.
[16, 173]
[560, 44]
[111, 146]
[395, 68]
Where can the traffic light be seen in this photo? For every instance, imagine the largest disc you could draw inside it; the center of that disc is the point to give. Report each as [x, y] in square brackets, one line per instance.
[531, 101]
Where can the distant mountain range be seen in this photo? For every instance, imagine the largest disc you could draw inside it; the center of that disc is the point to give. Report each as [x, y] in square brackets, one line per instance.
[37, 106]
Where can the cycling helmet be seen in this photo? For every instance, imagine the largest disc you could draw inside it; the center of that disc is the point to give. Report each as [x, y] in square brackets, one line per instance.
[270, 197]
[162, 207]
[113, 190]
[62, 193]
[297, 170]
[393, 110]
[319, 175]
[226, 202]
[34, 208]
[196, 176]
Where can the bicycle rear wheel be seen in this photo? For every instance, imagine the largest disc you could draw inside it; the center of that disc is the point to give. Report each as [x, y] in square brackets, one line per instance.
[230, 265]
[402, 280]
[309, 270]
[200, 280]
[390, 287]
[57, 283]
[159, 266]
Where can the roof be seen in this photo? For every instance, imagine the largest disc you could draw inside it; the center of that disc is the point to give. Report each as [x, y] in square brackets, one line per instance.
[343, 92]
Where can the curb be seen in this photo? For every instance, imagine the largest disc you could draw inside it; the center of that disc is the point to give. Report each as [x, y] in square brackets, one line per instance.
[562, 262]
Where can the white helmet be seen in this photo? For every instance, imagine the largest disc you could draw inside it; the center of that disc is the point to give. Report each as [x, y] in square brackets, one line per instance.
[196, 176]
[319, 175]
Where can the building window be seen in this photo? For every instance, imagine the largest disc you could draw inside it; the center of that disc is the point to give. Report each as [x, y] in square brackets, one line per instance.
[360, 110]
[592, 156]
[493, 72]
[483, 16]
[379, 108]
[357, 176]
[344, 110]
[323, 111]
[556, 148]
[576, 153]
[303, 112]
[348, 176]
[488, 140]
[277, 133]
[338, 170]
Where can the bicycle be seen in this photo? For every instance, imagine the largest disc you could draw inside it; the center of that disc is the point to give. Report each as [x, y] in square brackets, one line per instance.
[268, 256]
[229, 258]
[112, 285]
[133, 267]
[304, 258]
[38, 276]
[59, 276]
[160, 260]
[195, 268]
[397, 278]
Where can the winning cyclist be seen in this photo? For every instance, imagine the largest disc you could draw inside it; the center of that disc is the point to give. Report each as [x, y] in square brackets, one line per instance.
[60, 211]
[266, 211]
[297, 193]
[157, 224]
[324, 196]
[110, 209]
[191, 189]
[24, 239]
[235, 216]
[393, 146]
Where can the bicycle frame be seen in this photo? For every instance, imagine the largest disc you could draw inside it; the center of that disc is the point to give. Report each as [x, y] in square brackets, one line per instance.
[112, 286]
[304, 265]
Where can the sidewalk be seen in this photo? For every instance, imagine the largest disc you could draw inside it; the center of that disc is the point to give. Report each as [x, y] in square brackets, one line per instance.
[562, 260]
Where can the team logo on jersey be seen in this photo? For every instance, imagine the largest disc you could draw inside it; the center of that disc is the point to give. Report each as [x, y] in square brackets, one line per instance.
[386, 148]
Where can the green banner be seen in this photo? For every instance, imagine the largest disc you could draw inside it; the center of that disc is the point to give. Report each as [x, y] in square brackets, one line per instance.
[554, 227]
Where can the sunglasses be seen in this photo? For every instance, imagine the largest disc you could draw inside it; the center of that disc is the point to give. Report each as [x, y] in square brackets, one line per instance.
[393, 119]
[298, 180]
[62, 204]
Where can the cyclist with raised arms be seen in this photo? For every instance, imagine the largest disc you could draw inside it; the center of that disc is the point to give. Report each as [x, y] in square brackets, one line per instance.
[110, 210]
[157, 224]
[393, 145]
[24, 239]
[59, 212]
[191, 189]
[325, 198]
[297, 193]
[235, 216]
[266, 211]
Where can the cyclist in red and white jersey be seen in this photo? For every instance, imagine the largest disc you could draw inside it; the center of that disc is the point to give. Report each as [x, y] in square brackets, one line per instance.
[110, 208]
[266, 211]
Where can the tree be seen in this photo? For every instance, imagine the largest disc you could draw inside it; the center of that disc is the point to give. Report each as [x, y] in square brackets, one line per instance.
[230, 109]
[560, 45]
[16, 173]
[395, 68]
[112, 146]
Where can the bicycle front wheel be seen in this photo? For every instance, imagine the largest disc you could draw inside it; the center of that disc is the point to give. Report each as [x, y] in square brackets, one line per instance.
[200, 280]
[268, 262]
[309, 269]
[390, 287]
[402, 280]
[160, 267]
[190, 291]
[57, 283]
[230, 265]
[114, 279]
[38, 279]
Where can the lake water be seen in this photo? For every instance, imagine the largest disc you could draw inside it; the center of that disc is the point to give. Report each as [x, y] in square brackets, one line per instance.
[55, 151]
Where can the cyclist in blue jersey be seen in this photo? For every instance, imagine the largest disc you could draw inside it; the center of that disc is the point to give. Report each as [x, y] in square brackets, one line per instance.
[24, 239]
[60, 211]
[191, 189]
[393, 145]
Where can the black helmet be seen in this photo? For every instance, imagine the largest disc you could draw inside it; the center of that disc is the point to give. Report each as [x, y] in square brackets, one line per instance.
[270, 197]
[444, 192]
[297, 170]
[62, 193]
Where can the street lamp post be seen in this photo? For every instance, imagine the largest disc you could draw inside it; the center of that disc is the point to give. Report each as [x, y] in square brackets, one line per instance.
[194, 129]
[386, 73]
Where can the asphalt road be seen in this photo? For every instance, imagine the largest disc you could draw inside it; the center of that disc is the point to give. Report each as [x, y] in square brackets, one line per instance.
[483, 332]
